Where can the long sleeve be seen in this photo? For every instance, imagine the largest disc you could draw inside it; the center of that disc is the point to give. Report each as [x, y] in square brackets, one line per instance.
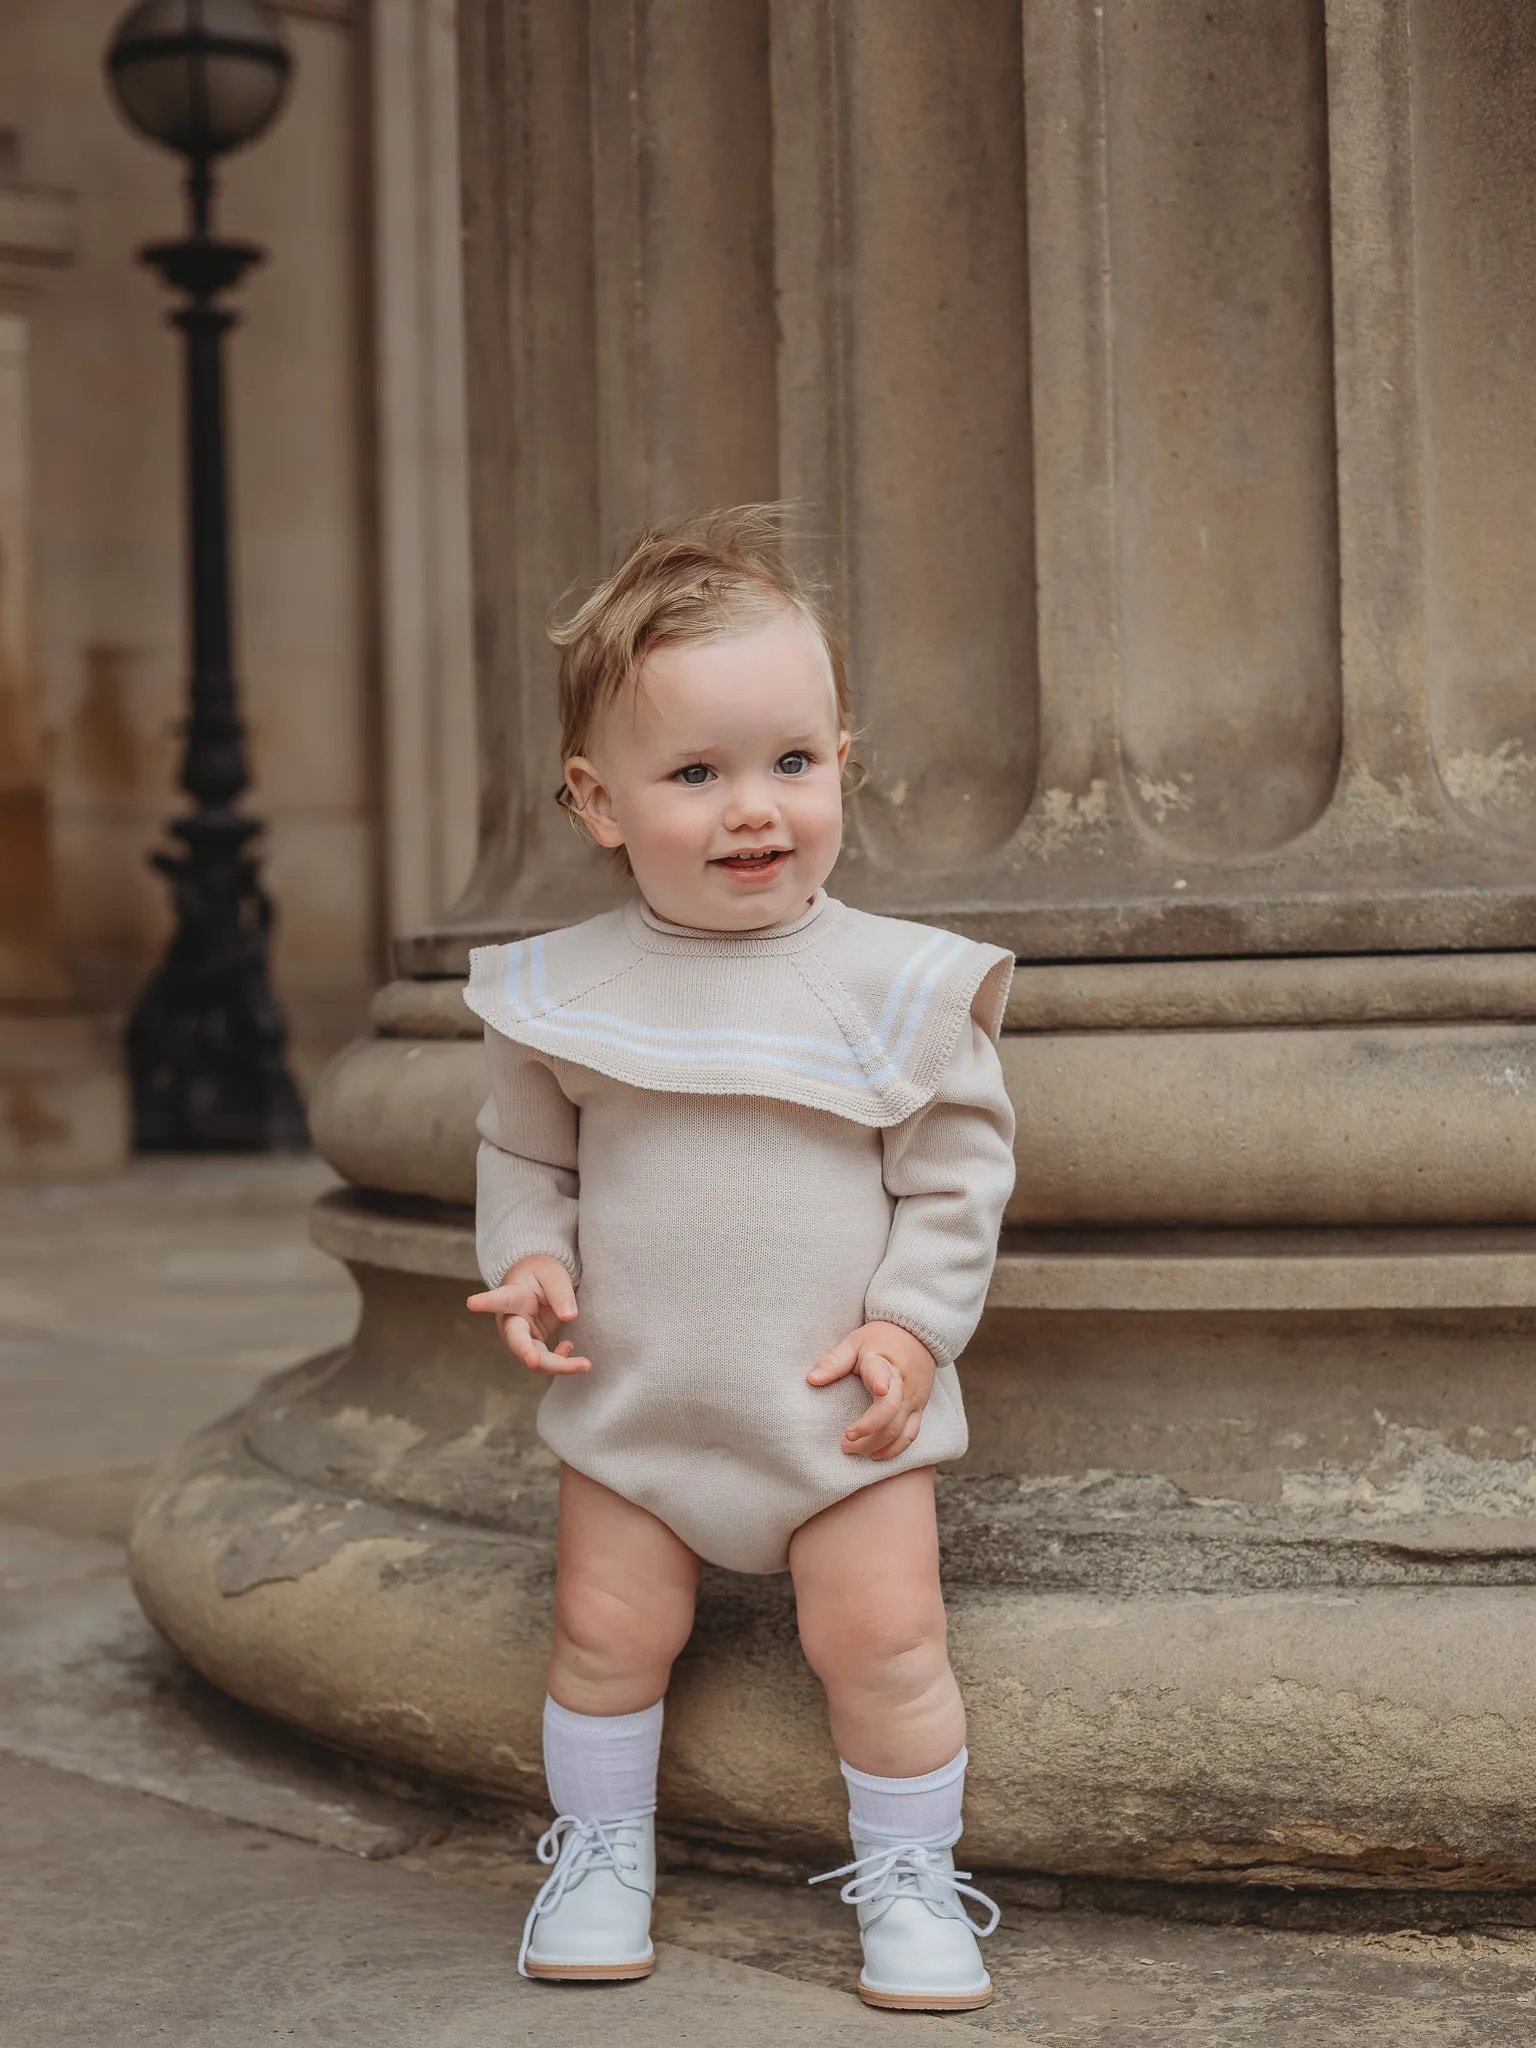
[950, 1168]
[526, 1177]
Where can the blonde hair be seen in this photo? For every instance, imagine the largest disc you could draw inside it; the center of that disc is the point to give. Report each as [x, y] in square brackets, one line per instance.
[706, 577]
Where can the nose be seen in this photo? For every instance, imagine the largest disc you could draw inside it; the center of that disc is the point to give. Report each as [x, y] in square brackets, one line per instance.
[750, 806]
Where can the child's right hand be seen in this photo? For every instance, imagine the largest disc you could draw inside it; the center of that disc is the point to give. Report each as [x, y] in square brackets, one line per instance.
[534, 1298]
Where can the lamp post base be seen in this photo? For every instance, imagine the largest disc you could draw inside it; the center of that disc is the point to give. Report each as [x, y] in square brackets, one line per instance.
[206, 1043]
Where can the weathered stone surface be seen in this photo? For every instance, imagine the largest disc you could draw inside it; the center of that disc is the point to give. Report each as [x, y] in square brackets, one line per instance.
[400, 1114]
[1215, 1576]
[1192, 1443]
[132, 1922]
[1184, 1271]
[373, 1229]
[428, 1009]
[1158, 995]
[1368, 1736]
[1363, 1125]
[193, 1273]
[1234, 1271]
[110, 1937]
[86, 1686]
[1405, 1124]
[1126, 368]
[1208, 995]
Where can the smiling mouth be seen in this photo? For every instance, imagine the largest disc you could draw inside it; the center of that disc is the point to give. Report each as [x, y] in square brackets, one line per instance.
[757, 866]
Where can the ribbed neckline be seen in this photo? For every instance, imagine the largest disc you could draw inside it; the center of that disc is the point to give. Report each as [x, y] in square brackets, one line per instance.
[655, 935]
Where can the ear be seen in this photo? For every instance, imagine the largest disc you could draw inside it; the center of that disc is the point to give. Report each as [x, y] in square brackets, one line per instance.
[591, 802]
[844, 742]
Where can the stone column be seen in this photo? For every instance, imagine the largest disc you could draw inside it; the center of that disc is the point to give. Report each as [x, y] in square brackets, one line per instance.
[63, 1104]
[426, 623]
[1158, 380]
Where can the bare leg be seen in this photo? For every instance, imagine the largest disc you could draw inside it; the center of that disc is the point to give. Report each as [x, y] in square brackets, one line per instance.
[866, 1575]
[624, 1593]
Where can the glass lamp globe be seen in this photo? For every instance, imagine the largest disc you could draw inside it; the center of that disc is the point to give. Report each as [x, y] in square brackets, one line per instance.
[201, 76]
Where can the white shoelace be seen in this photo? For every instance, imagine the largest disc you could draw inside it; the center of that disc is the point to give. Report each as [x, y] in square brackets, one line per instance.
[575, 1847]
[911, 1869]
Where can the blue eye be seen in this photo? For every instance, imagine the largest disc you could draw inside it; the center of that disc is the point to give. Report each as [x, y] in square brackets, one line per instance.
[695, 773]
[793, 764]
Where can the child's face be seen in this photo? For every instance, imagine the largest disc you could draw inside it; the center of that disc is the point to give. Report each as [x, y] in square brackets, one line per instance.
[721, 774]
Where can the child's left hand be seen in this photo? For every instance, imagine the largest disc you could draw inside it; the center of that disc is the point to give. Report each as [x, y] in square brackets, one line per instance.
[897, 1370]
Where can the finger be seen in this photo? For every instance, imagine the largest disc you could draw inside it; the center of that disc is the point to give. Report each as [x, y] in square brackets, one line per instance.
[876, 1370]
[881, 1412]
[498, 1301]
[559, 1363]
[905, 1439]
[884, 1383]
[838, 1363]
[879, 1423]
[520, 1338]
[537, 1356]
[561, 1296]
[877, 1434]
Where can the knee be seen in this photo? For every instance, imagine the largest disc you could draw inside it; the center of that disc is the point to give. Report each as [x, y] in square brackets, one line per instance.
[895, 1649]
[602, 1636]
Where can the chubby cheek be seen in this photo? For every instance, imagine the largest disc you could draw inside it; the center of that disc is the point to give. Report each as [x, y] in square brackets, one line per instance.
[668, 828]
[814, 816]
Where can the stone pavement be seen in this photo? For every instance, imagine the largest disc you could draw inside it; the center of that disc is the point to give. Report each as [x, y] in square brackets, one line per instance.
[130, 1922]
[175, 1870]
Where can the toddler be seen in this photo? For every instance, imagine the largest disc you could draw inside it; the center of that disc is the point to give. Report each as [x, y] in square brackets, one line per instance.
[755, 1146]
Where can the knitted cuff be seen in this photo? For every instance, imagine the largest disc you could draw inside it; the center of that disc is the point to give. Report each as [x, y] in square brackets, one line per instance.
[876, 1312]
[497, 1256]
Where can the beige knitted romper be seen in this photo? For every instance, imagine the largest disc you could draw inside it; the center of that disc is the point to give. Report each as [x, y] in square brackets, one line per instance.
[742, 1146]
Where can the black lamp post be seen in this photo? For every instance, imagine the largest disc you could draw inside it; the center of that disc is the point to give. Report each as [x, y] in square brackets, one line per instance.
[206, 1043]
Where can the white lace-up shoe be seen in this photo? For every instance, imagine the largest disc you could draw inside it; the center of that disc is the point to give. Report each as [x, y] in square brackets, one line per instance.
[920, 1952]
[592, 1918]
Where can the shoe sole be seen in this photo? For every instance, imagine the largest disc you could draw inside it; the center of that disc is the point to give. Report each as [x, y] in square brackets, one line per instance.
[591, 1973]
[911, 2001]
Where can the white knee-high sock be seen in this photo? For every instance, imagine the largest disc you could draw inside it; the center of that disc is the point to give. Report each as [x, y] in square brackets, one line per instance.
[883, 1812]
[602, 1766]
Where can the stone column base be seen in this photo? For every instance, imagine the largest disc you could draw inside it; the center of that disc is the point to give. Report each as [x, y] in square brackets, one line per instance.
[1161, 1685]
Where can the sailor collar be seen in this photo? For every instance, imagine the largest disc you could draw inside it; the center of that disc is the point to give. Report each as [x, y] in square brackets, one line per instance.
[842, 1011]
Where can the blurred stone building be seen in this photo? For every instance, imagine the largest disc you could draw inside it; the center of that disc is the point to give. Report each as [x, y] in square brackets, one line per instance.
[352, 599]
[1157, 379]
